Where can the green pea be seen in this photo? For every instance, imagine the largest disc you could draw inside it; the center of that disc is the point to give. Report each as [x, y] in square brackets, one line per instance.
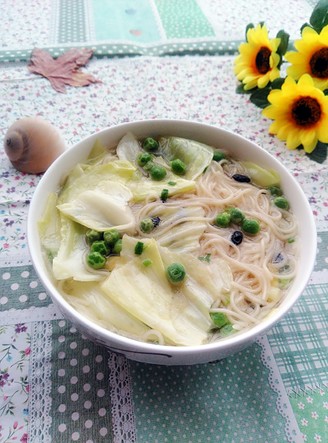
[146, 225]
[178, 167]
[236, 215]
[227, 330]
[100, 246]
[149, 165]
[147, 262]
[275, 190]
[150, 144]
[281, 202]
[219, 319]
[223, 219]
[91, 236]
[143, 158]
[96, 260]
[157, 172]
[176, 273]
[139, 247]
[206, 258]
[218, 155]
[164, 195]
[250, 226]
[111, 236]
[117, 248]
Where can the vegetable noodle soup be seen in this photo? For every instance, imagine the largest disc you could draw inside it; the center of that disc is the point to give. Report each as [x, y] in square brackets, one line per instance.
[170, 241]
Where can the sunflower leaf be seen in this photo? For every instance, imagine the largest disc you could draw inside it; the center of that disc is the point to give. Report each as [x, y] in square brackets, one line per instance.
[283, 45]
[320, 152]
[240, 89]
[319, 17]
[277, 83]
[260, 97]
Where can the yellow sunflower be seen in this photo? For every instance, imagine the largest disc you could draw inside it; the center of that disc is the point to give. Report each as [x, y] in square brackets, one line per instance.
[311, 57]
[257, 62]
[300, 111]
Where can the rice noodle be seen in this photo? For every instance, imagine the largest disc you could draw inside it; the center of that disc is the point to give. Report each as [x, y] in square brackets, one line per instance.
[249, 300]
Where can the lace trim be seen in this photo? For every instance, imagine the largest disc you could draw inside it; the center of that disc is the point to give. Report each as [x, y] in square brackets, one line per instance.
[284, 408]
[33, 314]
[124, 428]
[14, 260]
[40, 383]
[53, 23]
[89, 24]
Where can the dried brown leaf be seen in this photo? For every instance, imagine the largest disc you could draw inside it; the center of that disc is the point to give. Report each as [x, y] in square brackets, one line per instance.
[63, 70]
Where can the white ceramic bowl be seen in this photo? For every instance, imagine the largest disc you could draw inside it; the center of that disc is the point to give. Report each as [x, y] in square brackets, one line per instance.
[239, 148]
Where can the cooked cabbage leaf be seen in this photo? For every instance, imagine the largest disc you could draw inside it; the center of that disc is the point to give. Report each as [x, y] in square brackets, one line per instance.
[144, 188]
[89, 178]
[196, 156]
[260, 176]
[180, 313]
[69, 262]
[145, 292]
[97, 153]
[90, 301]
[102, 208]
[206, 282]
[128, 148]
[49, 227]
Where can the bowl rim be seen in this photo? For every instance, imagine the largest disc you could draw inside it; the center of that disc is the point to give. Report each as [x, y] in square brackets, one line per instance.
[140, 346]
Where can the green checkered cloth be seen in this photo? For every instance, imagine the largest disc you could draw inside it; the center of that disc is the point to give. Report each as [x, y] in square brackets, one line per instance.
[300, 341]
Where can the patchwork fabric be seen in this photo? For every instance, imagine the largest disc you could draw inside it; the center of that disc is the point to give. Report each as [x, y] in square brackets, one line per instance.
[142, 27]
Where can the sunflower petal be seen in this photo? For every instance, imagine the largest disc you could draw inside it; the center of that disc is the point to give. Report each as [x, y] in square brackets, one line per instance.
[275, 96]
[296, 71]
[283, 131]
[252, 83]
[322, 132]
[305, 81]
[288, 83]
[309, 33]
[308, 140]
[324, 34]
[274, 60]
[263, 81]
[310, 147]
[293, 140]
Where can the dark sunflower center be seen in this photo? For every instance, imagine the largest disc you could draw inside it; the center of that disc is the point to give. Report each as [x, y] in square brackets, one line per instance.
[262, 60]
[306, 111]
[319, 63]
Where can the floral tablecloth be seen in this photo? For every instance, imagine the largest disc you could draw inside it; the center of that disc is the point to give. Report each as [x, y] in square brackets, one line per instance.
[56, 385]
